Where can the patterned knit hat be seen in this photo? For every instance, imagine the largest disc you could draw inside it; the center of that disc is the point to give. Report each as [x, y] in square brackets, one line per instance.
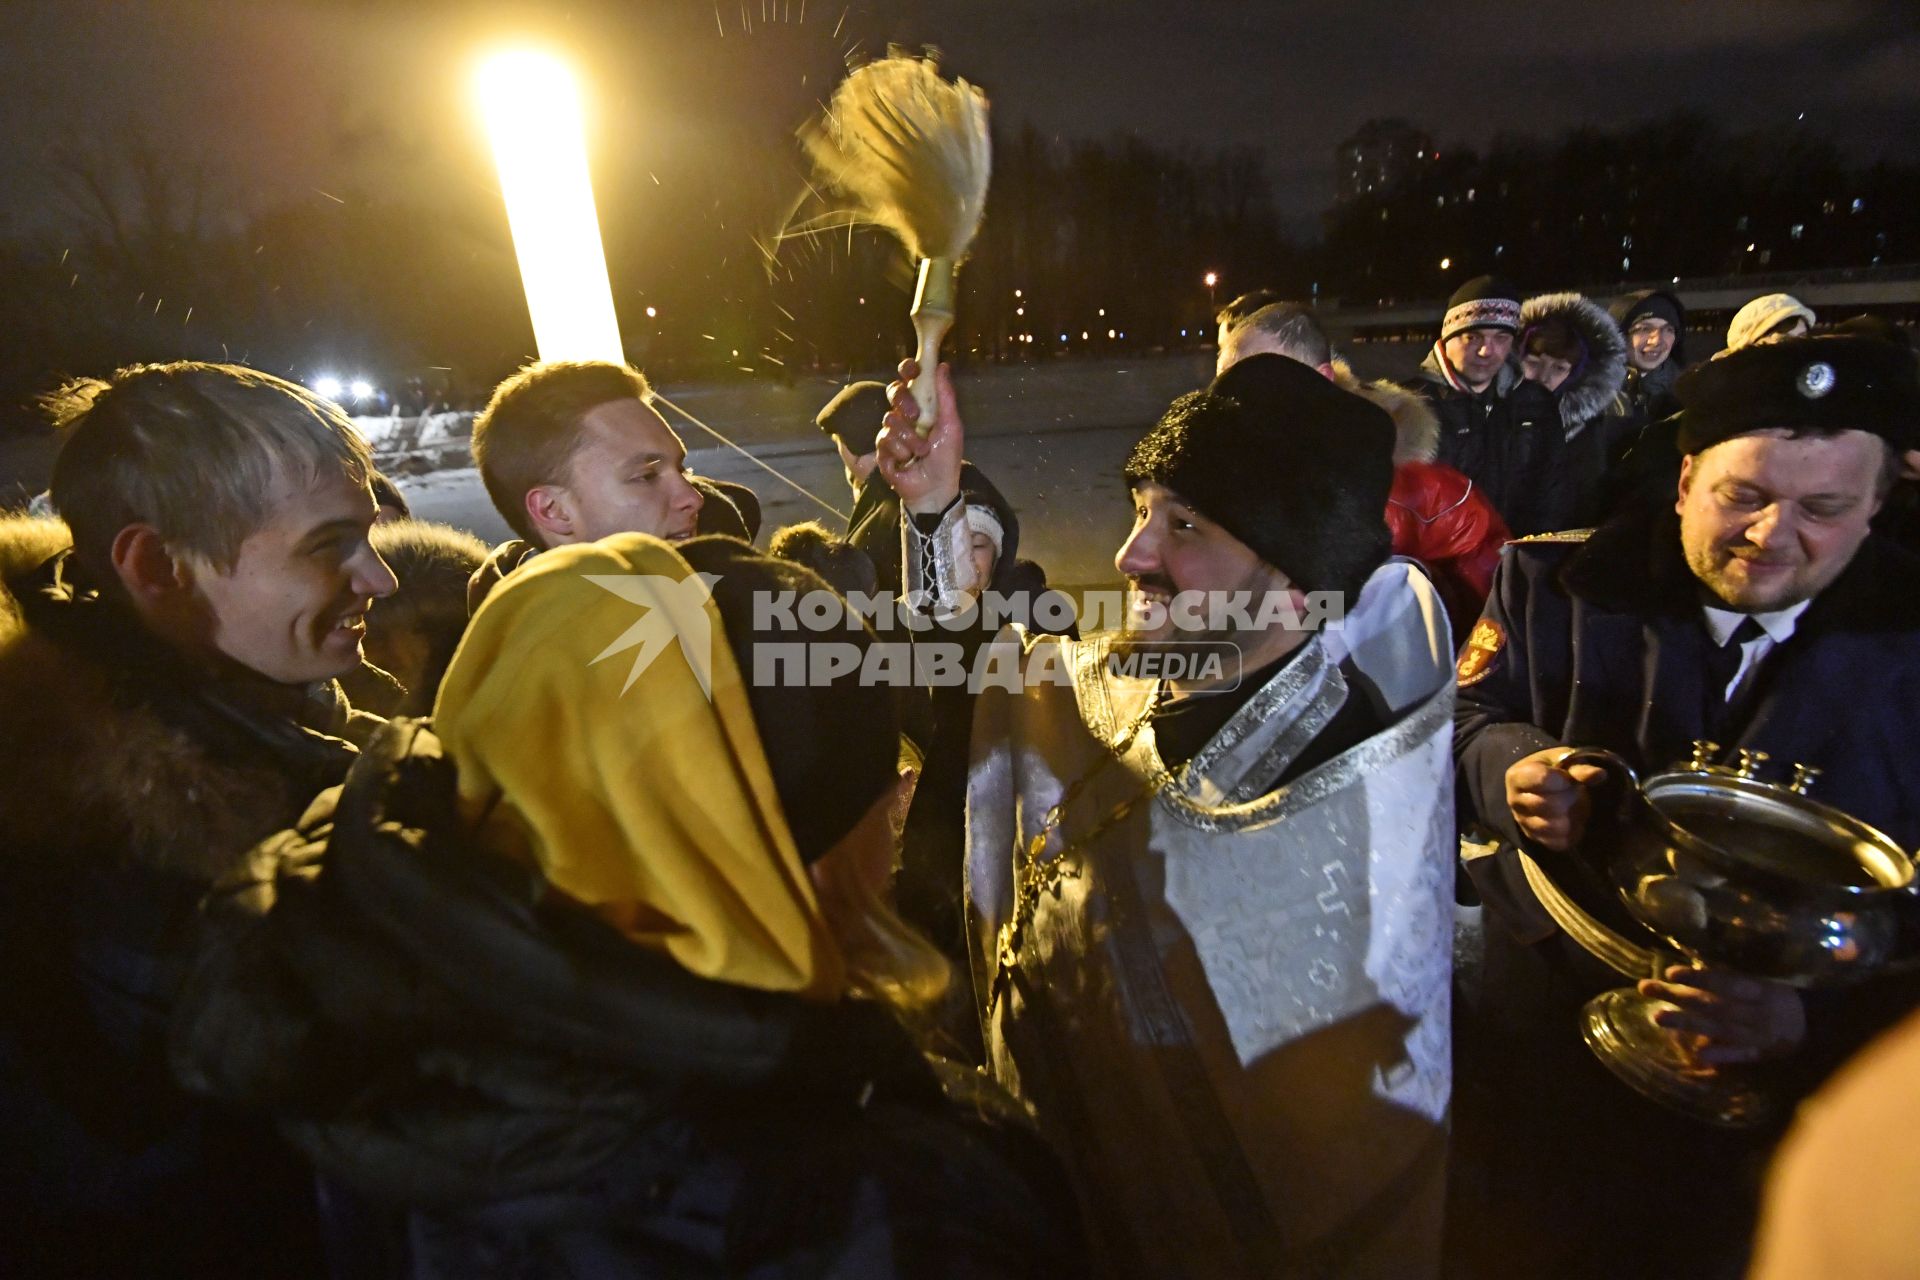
[1484, 302]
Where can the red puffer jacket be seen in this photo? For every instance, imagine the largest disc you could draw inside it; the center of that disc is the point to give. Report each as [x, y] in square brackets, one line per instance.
[1441, 520]
[1436, 514]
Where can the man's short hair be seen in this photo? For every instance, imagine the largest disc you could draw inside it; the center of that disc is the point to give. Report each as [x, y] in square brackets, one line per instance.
[192, 449]
[1229, 317]
[529, 430]
[1293, 328]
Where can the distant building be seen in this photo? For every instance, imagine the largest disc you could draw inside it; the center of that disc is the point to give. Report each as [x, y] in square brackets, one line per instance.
[1378, 158]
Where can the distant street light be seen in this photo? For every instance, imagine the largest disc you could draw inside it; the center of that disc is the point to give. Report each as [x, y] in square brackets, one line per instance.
[361, 389]
[1213, 278]
[651, 313]
[1446, 264]
[327, 387]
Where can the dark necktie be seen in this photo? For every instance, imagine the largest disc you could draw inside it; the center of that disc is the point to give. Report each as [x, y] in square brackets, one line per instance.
[1722, 662]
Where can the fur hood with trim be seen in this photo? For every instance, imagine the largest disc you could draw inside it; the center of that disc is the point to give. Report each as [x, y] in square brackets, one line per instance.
[1593, 388]
[126, 769]
[1416, 428]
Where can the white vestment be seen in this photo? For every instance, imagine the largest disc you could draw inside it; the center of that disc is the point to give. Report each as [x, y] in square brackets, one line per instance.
[1230, 1007]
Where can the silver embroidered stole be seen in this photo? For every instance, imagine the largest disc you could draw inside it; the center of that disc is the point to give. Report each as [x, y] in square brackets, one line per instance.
[1231, 1009]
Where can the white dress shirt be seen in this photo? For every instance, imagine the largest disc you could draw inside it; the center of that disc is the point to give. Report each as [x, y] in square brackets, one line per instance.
[1775, 627]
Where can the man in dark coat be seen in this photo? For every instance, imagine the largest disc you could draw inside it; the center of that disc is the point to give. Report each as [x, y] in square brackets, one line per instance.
[168, 687]
[1498, 429]
[1763, 617]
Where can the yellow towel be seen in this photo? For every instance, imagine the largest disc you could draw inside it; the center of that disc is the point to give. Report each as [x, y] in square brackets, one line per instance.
[603, 762]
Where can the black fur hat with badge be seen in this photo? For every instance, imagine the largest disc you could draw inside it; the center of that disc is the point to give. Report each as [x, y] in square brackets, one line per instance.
[1287, 463]
[1822, 383]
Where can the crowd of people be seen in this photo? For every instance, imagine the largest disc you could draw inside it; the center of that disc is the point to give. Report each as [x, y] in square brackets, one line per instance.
[625, 901]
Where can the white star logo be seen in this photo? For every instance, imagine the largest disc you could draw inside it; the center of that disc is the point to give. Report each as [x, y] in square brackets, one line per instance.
[676, 609]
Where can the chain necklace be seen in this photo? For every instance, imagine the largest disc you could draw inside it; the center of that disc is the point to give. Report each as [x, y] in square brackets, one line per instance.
[1038, 874]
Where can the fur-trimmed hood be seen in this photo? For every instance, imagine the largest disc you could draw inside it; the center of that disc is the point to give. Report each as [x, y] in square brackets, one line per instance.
[129, 764]
[1591, 389]
[1416, 428]
[26, 542]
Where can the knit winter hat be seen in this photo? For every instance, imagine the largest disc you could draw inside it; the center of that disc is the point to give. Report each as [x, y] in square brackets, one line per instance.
[1762, 316]
[1484, 302]
[1817, 384]
[1657, 304]
[1287, 463]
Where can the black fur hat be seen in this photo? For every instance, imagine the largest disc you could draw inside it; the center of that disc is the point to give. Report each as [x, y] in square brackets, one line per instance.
[1820, 384]
[1286, 462]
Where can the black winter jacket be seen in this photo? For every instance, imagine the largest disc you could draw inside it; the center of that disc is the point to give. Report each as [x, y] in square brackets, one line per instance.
[133, 782]
[1507, 440]
[535, 1095]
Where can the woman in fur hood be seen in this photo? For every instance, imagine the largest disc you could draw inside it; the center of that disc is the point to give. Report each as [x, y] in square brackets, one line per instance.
[1570, 345]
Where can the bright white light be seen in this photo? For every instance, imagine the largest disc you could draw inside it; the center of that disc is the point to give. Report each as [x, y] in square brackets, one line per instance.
[651, 313]
[1183, 333]
[327, 387]
[1109, 333]
[532, 110]
[1446, 264]
[1019, 311]
[361, 388]
[1212, 279]
[1083, 335]
[1103, 311]
[1016, 293]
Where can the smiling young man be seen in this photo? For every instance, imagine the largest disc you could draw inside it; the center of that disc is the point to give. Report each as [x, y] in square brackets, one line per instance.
[573, 451]
[1209, 916]
[1756, 612]
[1655, 326]
[168, 687]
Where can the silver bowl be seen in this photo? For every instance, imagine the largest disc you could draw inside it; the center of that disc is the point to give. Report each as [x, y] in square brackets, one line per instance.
[1725, 868]
[1758, 876]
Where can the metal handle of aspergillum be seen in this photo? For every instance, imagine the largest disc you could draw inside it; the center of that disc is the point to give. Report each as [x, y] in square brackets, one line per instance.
[933, 299]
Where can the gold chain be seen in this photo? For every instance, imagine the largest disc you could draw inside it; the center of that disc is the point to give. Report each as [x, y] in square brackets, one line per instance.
[1038, 874]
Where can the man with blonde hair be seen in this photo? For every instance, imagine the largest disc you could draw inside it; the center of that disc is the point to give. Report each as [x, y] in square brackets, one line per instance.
[168, 686]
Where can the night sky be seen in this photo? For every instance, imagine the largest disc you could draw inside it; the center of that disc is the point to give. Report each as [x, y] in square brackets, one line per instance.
[296, 101]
